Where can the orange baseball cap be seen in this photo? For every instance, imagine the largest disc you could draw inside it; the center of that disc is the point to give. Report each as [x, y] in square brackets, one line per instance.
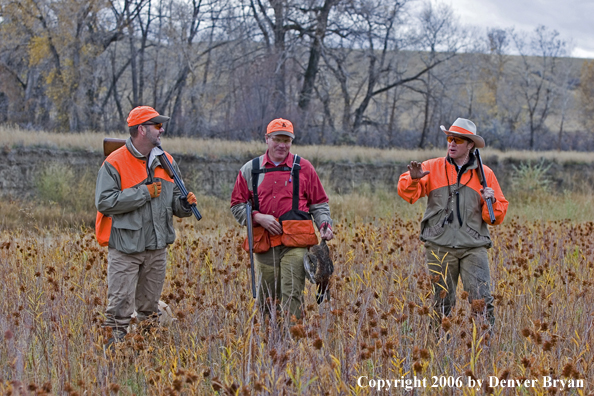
[142, 114]
[280, 126]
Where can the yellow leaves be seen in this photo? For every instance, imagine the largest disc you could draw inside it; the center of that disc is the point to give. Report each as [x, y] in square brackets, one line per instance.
[39, 50]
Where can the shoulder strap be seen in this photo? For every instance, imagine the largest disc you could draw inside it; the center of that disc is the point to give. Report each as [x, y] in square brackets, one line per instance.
[295, 174]
[255, 175]
[256, 170]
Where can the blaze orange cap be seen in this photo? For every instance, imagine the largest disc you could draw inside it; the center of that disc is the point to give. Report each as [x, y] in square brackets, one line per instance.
[142, 114]
[280, 126]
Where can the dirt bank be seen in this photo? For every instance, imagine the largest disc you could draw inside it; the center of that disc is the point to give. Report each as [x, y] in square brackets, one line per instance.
[20, 167]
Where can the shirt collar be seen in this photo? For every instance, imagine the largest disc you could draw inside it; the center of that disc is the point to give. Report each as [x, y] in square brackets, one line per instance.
[152, 155]
[471, 164]
[287, 162]
[133, 149]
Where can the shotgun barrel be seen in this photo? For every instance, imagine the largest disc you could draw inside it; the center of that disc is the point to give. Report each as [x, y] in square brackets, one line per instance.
[178, 181]
[250, 231]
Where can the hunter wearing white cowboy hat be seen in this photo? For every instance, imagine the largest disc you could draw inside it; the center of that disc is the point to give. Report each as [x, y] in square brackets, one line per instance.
[466, 129]
[455, 226]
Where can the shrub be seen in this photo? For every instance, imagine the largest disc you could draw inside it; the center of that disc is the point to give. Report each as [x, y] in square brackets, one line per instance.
[530, 180]
[59, 184]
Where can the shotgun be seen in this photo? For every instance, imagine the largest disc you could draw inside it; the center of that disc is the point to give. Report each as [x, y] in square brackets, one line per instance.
[484, 183]
[178, 181]
[112, 144]
[250, 231]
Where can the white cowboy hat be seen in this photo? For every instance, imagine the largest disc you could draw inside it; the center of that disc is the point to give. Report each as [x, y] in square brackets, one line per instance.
[466, 129]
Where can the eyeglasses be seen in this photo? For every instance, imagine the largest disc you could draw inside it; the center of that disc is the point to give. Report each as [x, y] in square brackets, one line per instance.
[158, 126]
[281, 140]
[456, 139]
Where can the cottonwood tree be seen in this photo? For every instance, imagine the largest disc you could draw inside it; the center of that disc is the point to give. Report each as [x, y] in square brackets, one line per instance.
[316, 32]
[276, 19]
[64, 39]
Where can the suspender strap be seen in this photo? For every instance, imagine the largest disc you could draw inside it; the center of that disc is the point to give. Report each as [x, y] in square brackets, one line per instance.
[294, 174]
[255, 177]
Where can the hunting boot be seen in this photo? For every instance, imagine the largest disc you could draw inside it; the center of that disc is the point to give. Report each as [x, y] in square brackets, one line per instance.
[118, 335]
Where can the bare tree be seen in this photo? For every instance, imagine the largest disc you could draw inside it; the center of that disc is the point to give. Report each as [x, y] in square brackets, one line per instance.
[539, 75]
[376, 27]
[586, 95]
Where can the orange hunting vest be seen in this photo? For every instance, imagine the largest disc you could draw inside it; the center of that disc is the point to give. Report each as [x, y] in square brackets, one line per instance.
[132, 172]
[298, 229]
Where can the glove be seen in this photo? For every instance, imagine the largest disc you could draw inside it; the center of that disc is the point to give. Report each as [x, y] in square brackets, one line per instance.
[154, 189]
[188, 200]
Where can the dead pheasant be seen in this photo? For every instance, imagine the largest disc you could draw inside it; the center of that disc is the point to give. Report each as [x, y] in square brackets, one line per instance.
[318, 268]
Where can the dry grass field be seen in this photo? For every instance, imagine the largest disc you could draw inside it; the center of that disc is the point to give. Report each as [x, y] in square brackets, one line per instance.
[92, 141]
[376, 327]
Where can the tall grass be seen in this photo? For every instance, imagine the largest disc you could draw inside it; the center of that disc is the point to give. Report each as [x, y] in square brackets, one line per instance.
[376, 325]
[215, 148]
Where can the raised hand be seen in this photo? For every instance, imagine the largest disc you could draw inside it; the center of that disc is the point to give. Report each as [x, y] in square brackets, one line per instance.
[416, 171]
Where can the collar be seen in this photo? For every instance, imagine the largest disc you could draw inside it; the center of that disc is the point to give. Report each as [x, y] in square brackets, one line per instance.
[133, 149]
[287, 161]
[471, 164]
[152, 155]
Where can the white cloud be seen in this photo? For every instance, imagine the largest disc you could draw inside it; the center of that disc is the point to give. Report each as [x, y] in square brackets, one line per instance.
[571, 18]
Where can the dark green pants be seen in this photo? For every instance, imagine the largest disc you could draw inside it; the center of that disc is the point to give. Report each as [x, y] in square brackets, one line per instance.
[282, 277]
[446, 265]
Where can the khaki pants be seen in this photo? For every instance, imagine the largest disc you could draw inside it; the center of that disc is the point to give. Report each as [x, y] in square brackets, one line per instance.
[134, 281]
[281, 275]
[471, 265]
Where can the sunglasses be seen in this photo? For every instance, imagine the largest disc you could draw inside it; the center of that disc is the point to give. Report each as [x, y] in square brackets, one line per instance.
[456, 139]
[158, 126]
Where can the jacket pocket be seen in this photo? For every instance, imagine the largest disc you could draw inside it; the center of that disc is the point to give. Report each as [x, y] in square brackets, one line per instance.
[299, 233]
[128, 221]
[434, 226]
[261, 240]
[476, 235]
[126, 233]
[169, 230]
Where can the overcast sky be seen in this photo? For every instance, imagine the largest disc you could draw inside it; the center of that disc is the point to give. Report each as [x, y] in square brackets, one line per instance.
[573, 19]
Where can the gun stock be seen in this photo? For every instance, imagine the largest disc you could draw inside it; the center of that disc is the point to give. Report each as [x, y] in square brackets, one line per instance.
[112, 144]
[484, 183]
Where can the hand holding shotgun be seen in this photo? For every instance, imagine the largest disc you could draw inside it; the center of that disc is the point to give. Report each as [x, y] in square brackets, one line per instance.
[112, 144]
[488, 193]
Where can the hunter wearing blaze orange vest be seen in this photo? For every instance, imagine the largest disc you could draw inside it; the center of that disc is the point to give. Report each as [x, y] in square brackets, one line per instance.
[454, 227]
[136, 201]
[286, 193]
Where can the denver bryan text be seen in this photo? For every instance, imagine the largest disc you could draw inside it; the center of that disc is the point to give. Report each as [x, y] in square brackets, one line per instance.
[545, 382]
